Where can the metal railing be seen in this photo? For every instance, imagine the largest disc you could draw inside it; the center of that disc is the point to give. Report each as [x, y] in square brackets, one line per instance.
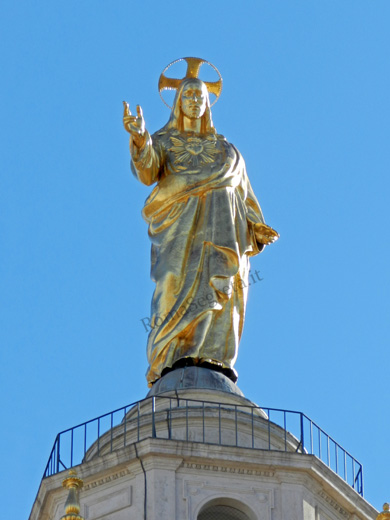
[207, 422]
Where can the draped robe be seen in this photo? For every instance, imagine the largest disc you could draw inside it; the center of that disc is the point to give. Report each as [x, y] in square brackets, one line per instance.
[202, 217]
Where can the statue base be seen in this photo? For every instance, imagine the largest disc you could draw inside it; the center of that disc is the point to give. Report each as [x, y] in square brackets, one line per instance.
[194, 378]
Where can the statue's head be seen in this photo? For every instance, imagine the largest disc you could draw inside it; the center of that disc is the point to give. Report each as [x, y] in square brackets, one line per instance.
[192, 101]
[192, 95]
[193, 98]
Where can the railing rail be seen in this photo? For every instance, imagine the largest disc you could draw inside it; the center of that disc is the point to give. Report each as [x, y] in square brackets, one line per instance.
[139, 421]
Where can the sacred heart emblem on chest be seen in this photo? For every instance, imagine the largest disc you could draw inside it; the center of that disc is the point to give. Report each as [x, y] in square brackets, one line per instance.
[194, 146]
[193, 151]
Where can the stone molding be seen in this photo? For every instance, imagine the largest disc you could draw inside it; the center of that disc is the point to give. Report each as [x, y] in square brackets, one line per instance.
[107, 478]
[340, 510]
[156, 462]
[228, 469]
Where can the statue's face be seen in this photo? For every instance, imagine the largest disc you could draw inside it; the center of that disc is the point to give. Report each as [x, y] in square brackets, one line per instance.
[193, 99]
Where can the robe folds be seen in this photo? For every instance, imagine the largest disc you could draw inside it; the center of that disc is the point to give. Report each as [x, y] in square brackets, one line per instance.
[202, 218]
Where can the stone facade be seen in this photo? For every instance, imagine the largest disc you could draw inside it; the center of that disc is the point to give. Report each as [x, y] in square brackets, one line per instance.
[180, 478]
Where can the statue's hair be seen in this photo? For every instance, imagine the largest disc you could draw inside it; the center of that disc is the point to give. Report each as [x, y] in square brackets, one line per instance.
[176, 117]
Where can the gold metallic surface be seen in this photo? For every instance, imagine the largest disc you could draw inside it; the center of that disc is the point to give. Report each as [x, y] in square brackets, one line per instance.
[193, 69]
[72, 504]
[385, 515]
[204, 223]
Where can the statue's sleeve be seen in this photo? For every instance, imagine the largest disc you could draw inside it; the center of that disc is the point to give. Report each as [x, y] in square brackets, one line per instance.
[254, 216]
[147, 162]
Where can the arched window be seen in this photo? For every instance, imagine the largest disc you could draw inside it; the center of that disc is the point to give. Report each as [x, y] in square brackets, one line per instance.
[221, 512]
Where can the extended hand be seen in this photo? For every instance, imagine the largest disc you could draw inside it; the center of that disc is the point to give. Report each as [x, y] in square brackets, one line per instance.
[135, 125]
[265, 234]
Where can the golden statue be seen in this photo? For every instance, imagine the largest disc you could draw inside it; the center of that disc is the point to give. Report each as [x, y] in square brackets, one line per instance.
[204, 223]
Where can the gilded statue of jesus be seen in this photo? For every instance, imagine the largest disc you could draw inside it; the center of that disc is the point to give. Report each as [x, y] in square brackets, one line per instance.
[204, 224]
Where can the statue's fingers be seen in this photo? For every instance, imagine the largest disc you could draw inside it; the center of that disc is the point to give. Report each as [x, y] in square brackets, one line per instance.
[126, 109]
[139, 111]
[129, 119]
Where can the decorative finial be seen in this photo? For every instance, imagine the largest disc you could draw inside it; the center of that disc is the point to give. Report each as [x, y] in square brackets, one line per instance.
[72, 504]
[385, 515]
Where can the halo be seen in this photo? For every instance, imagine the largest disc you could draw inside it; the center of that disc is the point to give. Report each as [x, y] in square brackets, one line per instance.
[193, 67]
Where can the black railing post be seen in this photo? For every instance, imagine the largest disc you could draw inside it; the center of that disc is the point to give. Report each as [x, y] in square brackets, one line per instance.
[98, 436]
[186, 419]
[236, 424]
[219, 425]
[311, 438]
[319, 443]
[153, 418]
[111, 428]
[125, 426]
[85, 439]
[170, 419]
[328, 447]
[58, 454]
[302, 435]
[269, 429]
[253, 432]
[203, 425]
[345, 467]
[71, 448]
[138, 412]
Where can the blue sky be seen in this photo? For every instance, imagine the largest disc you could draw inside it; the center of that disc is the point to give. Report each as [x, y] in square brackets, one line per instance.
[305, 99]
